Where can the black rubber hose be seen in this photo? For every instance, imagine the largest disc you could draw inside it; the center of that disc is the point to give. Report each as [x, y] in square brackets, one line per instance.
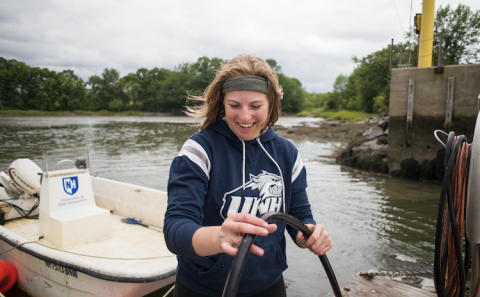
[233, 279]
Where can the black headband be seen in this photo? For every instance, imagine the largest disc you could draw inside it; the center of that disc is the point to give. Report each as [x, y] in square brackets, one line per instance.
[245, 83]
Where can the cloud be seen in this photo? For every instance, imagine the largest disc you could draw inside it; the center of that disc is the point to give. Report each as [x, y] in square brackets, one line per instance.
[313, 41]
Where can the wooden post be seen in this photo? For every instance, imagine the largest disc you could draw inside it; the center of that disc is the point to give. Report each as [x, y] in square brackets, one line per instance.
[391, 57]
[409, 127]
[440, 50]
[401, 54]
[449, 107]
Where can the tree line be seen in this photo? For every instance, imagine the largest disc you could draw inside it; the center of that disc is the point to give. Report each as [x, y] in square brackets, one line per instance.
[158, 89]
[367, 88]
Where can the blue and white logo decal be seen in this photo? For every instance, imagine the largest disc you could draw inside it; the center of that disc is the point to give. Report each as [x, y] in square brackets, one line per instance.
[261, 194]
[70, 185]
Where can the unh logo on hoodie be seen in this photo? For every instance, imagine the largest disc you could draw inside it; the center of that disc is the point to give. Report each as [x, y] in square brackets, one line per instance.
[262, 193]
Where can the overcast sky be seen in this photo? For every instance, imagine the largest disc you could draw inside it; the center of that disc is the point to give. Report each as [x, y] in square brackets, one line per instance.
[311, 40]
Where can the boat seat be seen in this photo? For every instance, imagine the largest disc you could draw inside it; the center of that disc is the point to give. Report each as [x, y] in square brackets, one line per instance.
[69, 215]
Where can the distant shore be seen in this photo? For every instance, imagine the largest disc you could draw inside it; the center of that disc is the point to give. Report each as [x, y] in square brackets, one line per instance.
[342, 132]
[10, 113]
[324, 131]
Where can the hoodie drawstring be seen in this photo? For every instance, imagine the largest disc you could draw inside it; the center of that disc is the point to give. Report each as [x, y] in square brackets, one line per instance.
[243, 167]
[280, 170]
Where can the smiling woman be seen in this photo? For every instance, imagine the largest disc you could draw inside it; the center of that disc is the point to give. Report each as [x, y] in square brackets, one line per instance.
[236, 168]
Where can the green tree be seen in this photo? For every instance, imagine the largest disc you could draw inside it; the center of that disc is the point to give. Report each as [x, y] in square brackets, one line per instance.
[71, 90]
[334, 100]
[104, 90]
[13, 80]
[293, 92]
[370, 79]
[155, 88]
[461, 31]
[187, 78]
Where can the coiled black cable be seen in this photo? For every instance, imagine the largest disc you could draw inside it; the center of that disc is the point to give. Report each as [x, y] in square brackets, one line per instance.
[233, 279]
[449, 225]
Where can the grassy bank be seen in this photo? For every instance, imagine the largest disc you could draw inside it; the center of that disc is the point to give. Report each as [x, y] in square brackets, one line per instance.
[75, 112]
[342, 115]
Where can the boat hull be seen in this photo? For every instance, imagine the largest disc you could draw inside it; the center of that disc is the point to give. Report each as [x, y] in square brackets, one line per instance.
[40, 277]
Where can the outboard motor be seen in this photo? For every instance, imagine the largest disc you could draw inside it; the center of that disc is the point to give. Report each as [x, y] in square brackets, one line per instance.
[19, 190]
[26, 175]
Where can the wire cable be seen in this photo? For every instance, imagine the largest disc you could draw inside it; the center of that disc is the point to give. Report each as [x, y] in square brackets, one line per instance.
[398, 15]
[24, 213]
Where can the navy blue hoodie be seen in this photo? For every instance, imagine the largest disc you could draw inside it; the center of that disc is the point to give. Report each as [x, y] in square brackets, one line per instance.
[216, 174]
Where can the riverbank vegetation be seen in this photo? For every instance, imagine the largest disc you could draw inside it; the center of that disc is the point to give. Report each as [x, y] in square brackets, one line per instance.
[363, 93]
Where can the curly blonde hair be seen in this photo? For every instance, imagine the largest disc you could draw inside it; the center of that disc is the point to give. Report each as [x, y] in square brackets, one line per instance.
[242, 65]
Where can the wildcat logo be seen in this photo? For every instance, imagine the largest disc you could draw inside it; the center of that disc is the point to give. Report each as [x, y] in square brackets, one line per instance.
[70, 185]
[261, 194]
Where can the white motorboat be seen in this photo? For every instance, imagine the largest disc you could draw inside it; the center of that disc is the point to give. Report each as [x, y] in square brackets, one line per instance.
[92, 236]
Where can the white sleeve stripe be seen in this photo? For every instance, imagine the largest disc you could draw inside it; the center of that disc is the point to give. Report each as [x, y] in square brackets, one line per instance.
[297, 168]
[195, 152]
[197, 161]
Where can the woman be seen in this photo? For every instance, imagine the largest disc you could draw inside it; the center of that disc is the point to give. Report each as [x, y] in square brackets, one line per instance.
[235, 168]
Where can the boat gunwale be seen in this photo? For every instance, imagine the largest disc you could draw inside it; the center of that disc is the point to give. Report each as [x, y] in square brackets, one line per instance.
[119, 279]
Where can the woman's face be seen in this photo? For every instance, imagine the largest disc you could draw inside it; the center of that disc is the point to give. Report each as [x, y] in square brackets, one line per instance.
[246, 113]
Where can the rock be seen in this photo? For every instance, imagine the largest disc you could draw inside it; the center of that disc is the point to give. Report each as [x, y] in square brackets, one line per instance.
[382, 140]
[373, 133]
[428, 285]
[384, 124]
[334, 123]
[368, 150]
[371, 146]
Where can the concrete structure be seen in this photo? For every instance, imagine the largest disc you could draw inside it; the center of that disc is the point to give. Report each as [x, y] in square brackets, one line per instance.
[419, 106]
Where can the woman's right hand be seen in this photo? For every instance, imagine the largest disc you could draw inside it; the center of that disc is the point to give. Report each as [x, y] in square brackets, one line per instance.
[226, 238]
[236, 226]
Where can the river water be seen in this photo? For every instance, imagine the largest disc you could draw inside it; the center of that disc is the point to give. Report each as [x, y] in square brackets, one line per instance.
[369, 217]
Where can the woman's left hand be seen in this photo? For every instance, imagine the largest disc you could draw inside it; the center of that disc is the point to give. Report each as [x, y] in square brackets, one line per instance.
[318, 243]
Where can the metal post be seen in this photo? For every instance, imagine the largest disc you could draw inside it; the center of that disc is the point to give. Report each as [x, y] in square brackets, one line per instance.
[418, 50]
[426, 34]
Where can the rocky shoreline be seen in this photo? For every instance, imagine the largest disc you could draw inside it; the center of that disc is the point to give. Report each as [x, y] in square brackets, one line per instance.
[363, 145]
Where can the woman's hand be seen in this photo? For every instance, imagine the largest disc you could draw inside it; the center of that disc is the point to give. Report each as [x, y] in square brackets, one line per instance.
[318, 243]
[226, 238]
[236, 226]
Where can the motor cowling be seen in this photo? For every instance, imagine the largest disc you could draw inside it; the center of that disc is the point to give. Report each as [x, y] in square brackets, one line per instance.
[26, 175]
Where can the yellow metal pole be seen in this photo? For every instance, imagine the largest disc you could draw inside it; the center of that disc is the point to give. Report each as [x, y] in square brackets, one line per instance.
[426, 34]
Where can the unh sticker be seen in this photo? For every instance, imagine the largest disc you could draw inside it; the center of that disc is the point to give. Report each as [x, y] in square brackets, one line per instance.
[70, 185]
